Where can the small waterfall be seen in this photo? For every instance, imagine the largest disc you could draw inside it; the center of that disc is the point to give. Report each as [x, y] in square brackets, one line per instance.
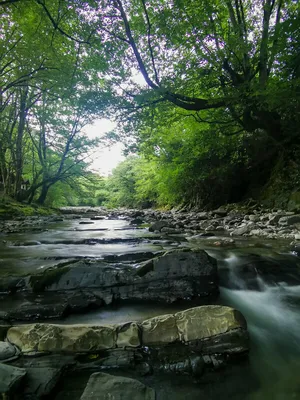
[273, 317]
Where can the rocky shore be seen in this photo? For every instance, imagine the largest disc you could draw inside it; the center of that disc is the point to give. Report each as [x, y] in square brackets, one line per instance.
[250, 221]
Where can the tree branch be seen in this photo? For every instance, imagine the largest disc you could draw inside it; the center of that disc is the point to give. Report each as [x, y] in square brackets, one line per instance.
[142, 67]
[263, 55]
[56, 26]
[276, 36]
[149, 41]
[6, 2]
[185, 102]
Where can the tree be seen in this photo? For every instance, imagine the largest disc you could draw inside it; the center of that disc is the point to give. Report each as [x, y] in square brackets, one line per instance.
[231, 66]
[122, 184]
[47, 81]
[61, 149]
[202, 55]
[229, 55]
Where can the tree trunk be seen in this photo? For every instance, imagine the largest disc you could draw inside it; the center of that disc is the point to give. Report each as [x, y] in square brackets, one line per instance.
[19, 143]
[43, 195]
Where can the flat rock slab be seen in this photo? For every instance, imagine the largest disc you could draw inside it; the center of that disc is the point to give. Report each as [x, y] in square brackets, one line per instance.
[187, 326]
[108, 387]
[173, 276]
[10, 378]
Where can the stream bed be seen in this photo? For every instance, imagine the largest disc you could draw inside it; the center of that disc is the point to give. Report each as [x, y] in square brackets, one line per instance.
[270, 305]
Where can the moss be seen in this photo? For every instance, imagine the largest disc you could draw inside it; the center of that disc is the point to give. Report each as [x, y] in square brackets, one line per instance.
[41, 281]
[10, 208]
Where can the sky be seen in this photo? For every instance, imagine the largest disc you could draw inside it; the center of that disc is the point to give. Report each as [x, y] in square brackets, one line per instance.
[105, 159]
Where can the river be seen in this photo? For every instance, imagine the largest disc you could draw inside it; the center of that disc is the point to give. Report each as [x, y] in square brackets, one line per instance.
[271, 307]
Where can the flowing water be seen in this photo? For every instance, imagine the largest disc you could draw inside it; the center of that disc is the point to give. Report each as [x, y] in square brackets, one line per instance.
[273, 318]
[270, 306]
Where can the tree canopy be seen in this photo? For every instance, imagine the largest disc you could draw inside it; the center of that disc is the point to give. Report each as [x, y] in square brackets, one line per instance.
[211, 71]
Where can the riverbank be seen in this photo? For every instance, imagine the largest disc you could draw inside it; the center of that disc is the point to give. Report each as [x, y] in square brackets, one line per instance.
[233, 220]
[10, 209]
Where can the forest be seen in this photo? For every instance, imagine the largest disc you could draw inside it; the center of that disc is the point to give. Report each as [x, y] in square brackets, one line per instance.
[205, 96]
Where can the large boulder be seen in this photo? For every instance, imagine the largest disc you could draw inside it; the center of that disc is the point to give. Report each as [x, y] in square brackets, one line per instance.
[173, 276]
[160, 330]
[158, 225]
[184, 343]
[104, 387]
[177, 275]
[289, 220]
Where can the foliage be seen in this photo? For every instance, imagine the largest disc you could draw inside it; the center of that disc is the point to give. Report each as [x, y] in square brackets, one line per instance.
[219, 104]
[47, 81]
[122, 185]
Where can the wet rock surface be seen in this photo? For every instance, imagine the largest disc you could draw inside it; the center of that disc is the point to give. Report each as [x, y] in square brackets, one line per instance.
[104, 386]
[8, 352]
[11, 378]
[184, 327]
[186, 342]
[176, 275]
[42, 375]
